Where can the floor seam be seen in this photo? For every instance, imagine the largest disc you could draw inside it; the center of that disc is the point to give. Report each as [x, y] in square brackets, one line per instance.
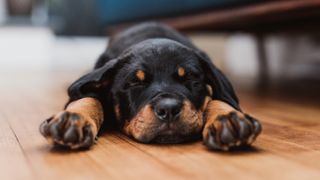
[23, 152]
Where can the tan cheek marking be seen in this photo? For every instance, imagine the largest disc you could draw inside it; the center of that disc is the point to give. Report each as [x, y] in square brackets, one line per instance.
[181, 72]
[191, 116]
[140, 124]
[127, 128]
[140, 75]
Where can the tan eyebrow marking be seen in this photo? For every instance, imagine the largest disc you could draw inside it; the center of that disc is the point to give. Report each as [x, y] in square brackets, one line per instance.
[181, 72]
[210, 90]
[117, 111]
[140, 75]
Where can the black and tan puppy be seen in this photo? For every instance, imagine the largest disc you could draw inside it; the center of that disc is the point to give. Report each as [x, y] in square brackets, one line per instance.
[157, 87]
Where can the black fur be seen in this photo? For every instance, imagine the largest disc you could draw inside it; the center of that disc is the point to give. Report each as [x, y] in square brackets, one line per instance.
[159, 51]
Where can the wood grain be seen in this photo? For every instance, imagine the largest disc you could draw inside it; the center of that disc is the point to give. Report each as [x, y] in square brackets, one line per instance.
[289, 147]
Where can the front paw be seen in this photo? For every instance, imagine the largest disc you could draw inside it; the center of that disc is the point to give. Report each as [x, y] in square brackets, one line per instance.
[231, 130]
[69, 129]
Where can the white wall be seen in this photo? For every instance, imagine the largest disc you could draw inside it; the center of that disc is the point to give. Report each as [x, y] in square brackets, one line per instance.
[289, 57]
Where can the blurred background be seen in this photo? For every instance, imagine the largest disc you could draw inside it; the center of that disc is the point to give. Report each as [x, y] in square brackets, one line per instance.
[262, 45]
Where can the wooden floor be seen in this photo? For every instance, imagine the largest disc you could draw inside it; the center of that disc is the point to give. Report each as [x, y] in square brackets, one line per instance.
[289, 147]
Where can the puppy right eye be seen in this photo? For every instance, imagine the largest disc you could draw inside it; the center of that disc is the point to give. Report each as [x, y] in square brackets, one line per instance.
[138, 79]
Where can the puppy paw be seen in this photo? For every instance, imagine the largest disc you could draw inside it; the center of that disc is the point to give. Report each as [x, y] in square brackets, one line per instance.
[231, 130]
[69, 129]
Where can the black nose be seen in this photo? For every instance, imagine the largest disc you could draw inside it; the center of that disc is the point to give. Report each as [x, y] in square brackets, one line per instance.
[167, 109]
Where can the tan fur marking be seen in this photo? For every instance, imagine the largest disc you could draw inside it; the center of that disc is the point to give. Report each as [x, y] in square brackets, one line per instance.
[205, 103]
[140, 75]
[214, 109]
[145, 126]
[90, 109]
[192, 118]
[209, 88]
[117, 112]
[181, 71]
[142, 124]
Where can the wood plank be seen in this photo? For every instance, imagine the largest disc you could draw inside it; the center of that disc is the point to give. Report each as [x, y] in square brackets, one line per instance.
[204, 164]
[103, 160]
[287, 149]
[12, 157]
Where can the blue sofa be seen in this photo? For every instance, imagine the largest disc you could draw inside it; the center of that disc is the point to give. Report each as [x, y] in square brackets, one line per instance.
[115, 11]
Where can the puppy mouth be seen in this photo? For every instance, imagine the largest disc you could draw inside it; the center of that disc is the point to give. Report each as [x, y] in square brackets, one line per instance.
[174, 138]
[167, 134]
[146, 127]
[168, 139]
[167, 128]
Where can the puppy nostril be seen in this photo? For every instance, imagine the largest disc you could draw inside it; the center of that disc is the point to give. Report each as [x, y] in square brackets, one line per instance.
[176, 111]
[161, 113]
[167, 109]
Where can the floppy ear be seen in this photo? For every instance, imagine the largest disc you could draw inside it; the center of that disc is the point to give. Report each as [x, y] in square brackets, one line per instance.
[222, 88]
[92, 84]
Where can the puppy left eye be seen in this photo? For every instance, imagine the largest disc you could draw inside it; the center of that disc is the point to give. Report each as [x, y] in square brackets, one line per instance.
[134, 83]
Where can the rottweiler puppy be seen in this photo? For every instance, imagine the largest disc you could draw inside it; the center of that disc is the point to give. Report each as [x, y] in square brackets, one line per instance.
[157, 87]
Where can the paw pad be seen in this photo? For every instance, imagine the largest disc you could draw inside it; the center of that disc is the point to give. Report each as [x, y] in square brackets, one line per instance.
[231, 130]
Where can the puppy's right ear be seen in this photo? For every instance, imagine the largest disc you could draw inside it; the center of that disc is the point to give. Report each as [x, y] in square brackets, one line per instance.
[92, 84]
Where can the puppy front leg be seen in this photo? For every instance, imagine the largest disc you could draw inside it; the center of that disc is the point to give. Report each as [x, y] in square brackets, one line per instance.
[227, 127]
[76, 126]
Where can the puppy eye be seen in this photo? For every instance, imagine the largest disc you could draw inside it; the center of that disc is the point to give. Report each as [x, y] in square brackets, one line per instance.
[188, 76]
[137, 78]
[134, 83]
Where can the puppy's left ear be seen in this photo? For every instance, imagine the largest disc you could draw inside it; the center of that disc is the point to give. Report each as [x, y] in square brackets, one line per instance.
[221, 87]
[92, 84]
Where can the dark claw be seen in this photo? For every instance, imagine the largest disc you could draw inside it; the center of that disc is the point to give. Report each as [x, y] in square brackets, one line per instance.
[211, 142]
[234, 119]
[44, 127]
[244, 130]
[71, 135]
[256, 124]
[257, 127]
[57, 128]
[227, 136]
[88, 138]
[62, 120]
[55, 131]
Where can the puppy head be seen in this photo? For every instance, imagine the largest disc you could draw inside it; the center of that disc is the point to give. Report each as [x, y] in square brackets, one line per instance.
[159, 92]
[158, 88]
